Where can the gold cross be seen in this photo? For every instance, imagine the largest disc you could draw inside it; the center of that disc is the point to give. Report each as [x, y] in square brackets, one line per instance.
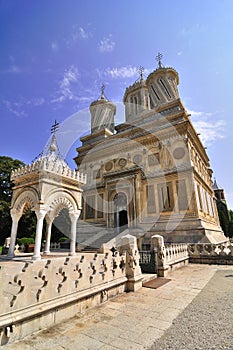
[158, 58]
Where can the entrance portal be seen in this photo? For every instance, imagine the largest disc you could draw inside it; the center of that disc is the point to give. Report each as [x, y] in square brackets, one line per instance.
[123, 218]
[120, 212]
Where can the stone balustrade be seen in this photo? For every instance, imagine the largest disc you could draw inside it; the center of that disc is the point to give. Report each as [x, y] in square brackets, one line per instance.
[168, 256]
[53, 245]
[211, 253]
[38, 294]
[175, 253]
[54, 167]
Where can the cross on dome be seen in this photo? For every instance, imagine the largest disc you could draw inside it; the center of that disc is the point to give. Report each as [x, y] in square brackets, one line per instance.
[141, 71]
[102, 92]
[159, 58]
[53, 145]
[54, 127]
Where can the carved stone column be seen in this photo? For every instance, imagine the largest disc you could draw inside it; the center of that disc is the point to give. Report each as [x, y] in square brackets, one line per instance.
[73, 217]
[15, 219]
[49, 223]
[157, 243]
[128, 244]
[39, 226]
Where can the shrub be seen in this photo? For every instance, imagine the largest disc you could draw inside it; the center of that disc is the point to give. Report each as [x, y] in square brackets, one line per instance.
[26, 241]
[62, 239]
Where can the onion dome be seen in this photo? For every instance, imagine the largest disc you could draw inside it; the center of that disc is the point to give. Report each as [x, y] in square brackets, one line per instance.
[102, 114]
[136, 98]
[162, 84]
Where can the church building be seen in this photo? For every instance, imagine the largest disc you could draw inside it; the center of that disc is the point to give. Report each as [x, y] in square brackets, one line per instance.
[151, 173]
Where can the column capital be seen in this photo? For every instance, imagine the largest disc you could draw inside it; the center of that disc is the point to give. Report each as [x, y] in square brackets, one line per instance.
[40, 213]
[49, 219]
[15, 214]
[74, 216]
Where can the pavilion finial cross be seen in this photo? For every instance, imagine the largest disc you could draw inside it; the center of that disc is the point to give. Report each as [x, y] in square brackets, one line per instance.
[141, 71]
[159, 58]
[54, 127]
[102, 91]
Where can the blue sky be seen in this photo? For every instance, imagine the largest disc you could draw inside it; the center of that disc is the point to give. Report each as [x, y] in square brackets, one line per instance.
[56, 54]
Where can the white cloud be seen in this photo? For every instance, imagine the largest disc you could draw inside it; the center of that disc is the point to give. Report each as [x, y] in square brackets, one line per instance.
[38, 101]
[14, 108]
[106, 44]
[65, 91]
[120, 72]
[77, 34]
[210, 131]
[20, 107]
[200, 114]
[13, 67]
[210, 128]
[54, 46]
[83, 33]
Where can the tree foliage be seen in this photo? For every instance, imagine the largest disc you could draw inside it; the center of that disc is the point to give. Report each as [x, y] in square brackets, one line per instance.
[225, 218]
[28, 221]
[7, 164]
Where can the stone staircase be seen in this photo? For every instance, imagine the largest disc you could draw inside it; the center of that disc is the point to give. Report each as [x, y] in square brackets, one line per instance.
[91, 237]
[98, 240]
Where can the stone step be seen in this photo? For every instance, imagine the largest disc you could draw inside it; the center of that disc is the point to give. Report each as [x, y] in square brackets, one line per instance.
[148, 277]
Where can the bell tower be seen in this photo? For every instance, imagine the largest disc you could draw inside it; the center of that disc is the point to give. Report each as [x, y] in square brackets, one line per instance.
[162, 85]
[136, 98]
[102, 114]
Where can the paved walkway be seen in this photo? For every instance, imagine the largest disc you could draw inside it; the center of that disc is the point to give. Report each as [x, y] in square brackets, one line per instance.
[130, 321]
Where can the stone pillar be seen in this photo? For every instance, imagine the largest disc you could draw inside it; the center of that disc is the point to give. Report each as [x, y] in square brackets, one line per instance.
[157, 243]
[39, 227]
[73, 218]
[175, 197]
[15, 219]
[49, 223]
[128, 244]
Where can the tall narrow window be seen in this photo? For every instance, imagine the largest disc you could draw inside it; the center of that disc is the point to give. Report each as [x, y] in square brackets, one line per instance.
[199, 196]
[212, 206]
[165, 88]
[155, 93]
[151, 208]
[100, 198]
[166, 201]
[135, 104]
[90, 207]
[207, 203]
[182, 195]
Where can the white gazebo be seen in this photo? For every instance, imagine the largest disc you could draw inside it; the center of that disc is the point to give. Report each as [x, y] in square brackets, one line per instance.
[46, 187]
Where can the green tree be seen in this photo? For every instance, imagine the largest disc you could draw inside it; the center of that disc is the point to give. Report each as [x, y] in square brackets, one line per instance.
[230, 225]
[27, 222]
[7, 164]
[224, 216]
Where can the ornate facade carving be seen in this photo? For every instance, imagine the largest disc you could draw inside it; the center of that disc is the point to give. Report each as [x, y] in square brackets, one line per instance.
[156, 149]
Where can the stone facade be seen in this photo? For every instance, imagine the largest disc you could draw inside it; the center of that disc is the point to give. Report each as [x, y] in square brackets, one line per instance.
[151, 172]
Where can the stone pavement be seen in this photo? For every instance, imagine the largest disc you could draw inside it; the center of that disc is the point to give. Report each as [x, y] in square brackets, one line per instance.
[129, 321]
